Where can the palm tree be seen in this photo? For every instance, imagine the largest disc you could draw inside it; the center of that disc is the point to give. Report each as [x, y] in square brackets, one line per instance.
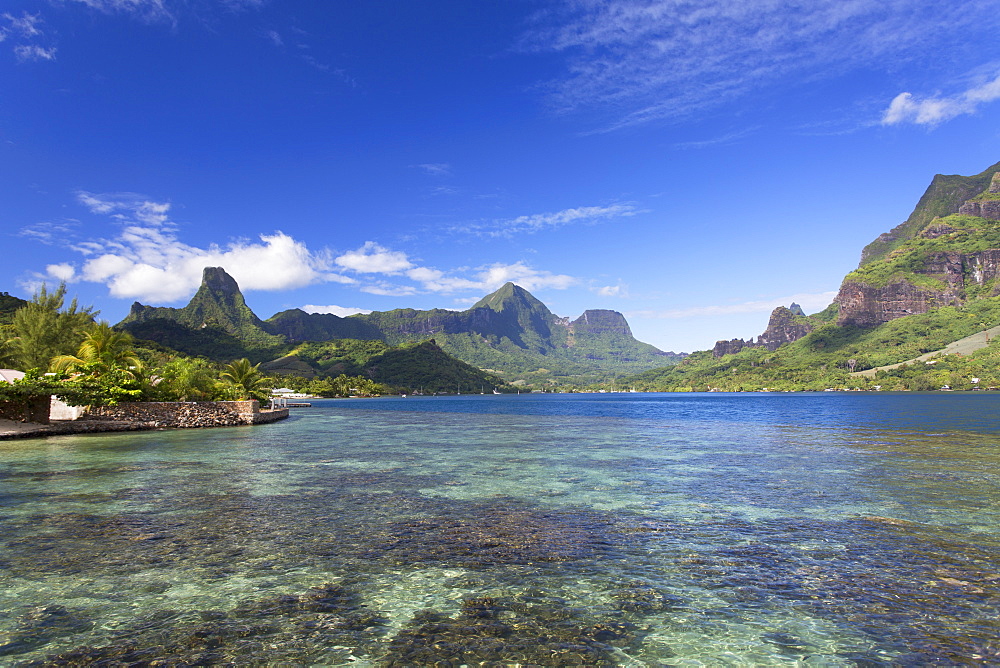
[246, 380]
[103, 350]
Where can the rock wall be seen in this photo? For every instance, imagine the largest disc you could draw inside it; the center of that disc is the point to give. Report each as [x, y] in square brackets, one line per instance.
[986, 208]
[785, 325]
[181, 414]
[866, 306]
[35, 409]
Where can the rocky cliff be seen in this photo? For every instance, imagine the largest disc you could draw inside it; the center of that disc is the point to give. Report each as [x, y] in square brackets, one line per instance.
[945, 196]
[947, 262]
[785, 325]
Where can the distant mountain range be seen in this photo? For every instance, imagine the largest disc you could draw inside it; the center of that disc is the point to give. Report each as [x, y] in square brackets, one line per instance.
[509, 332]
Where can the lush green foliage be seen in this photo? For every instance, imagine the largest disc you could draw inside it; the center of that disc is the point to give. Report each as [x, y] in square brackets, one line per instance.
[209, 342]
[246, 381]
[44, 328]
[909, 259]
[407, 368]
[822, 358]
[79, 391]
[102, 351]
[943, 197]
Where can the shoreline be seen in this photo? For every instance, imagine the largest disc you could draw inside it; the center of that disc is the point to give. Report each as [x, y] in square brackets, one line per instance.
[11, 429]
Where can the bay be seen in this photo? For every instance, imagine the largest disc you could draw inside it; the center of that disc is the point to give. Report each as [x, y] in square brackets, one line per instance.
[833, 529]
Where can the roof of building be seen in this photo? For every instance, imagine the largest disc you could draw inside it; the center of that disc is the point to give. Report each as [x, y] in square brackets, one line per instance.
[10, 375]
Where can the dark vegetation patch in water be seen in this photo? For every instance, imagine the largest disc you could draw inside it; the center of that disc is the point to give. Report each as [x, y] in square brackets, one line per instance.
[507, 632]
[495, 535]
[283, 629]
[917, 593]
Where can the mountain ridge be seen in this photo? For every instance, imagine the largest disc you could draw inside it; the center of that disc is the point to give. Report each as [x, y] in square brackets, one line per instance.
[508, 331]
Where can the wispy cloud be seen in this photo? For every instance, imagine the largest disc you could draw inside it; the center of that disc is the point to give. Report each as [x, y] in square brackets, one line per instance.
[906, 108]
[25, 52]
[274, 37]
[50, 233]
[25, 25]
[722, 140]
[620, 290]
[435, 168]
[529, 224]
[25, 30]
[648, 60]
[162, 10]
[147, 10]
[382, 271]
[808, 301]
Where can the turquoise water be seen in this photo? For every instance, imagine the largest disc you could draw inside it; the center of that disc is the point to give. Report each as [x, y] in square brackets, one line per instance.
[620, 529]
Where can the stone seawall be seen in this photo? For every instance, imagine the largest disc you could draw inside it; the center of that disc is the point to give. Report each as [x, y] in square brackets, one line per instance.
[34, 409]
[182, 414]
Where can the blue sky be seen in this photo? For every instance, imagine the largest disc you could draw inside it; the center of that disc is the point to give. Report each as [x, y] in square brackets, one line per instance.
[690, 164]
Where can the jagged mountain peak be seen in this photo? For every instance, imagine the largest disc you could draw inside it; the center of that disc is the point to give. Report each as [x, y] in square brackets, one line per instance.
[216, 279]
[511, 295]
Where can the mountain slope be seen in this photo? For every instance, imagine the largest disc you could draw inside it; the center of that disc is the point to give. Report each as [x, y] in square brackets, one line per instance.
[218, 304]
[935, 286]
[944, 196]
[509, 331]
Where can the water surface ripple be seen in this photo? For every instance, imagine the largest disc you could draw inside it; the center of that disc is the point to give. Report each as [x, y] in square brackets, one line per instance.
[556, 530]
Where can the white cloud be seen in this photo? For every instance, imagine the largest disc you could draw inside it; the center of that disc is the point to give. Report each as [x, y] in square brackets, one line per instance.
[25, 52]
[809, 302]
[342, 311]
[905, 108]
[374, 259]
[646, 60]
[147, 261]
[529, 224]
[389, 290]
[619, 290]
[275, 38]
[63, 272]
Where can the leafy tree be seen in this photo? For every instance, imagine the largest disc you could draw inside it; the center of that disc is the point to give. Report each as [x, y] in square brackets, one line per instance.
[245, 380]
[187, 379]
[103, 350]
[80, 391]
[44, 329]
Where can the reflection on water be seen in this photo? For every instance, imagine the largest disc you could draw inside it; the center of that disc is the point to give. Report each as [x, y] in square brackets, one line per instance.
[624, 530]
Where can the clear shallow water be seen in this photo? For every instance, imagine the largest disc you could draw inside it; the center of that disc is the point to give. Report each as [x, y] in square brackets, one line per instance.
[629, 529]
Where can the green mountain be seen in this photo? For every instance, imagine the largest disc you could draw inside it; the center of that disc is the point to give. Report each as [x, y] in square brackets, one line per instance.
[945, 195]
[9, 304]
[413, 367]
[509, 333]
[218, 305]
[935, 281]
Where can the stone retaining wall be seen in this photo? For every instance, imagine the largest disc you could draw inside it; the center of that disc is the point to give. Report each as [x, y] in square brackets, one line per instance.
[34, 409]
[185, 414]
